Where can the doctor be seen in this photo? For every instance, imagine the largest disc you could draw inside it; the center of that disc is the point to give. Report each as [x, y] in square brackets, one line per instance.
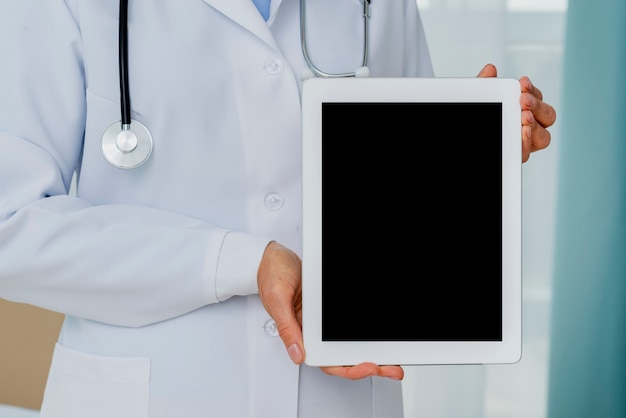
[180, 278]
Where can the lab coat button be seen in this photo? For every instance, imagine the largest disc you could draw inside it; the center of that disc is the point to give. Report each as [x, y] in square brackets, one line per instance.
[273, 201]
[270, 328]
[274, 67]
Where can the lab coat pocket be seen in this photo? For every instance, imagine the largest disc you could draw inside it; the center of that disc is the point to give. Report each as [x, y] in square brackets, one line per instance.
[84, 385]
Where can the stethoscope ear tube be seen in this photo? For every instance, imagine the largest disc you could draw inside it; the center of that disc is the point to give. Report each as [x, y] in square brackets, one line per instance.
[313, 70]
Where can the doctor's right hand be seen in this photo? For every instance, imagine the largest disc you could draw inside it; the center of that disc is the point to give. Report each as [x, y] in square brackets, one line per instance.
[280, 289]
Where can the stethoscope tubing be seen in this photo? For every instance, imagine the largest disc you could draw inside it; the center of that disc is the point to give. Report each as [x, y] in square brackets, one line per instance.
[125, 146]
[128, 144]
[318, 72]
[123, 64]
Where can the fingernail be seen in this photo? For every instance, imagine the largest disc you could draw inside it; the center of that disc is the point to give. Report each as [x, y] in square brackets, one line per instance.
[295, 354]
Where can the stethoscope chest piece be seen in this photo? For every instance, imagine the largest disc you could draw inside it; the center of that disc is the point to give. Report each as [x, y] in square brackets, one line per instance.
[124, 147]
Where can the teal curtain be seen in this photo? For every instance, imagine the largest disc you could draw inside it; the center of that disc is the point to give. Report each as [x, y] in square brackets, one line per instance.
[587, 366]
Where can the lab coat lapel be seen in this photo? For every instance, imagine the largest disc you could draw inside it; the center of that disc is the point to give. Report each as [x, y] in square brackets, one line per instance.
[274, 5]
[246, 14]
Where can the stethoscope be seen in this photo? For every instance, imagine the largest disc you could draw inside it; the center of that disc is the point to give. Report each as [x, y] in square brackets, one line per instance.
[312, 70]
[128, 144]
[123, 145]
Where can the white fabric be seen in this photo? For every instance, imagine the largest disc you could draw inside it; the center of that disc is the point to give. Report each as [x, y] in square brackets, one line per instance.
[10, 411]
[156, 267]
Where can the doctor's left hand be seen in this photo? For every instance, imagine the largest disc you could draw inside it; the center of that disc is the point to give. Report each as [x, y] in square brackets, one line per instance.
[537, 115]
[280, 289]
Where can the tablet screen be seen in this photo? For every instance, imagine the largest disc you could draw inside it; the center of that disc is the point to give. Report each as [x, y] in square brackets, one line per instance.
[412, 221]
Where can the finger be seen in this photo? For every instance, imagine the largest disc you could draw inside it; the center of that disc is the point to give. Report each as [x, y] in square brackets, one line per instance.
[542, 113]
[287, 324]
[364, 370]
[528, 87]
[488, 70]
[532, 99]
[359, 371]
[290, 332]
[526, 143]
[393, 372]
[534, 135]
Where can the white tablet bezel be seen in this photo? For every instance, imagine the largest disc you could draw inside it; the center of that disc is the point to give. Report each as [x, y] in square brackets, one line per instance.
[447, 90]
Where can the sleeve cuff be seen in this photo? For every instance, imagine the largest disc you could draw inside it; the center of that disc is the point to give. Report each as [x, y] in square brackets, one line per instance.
[232, 265]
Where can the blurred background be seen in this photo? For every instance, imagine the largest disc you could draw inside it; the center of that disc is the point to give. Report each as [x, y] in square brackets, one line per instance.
[521, 37]
[574, 210]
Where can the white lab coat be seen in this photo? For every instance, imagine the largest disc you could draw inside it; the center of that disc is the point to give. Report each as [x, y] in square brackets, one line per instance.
[155, 267]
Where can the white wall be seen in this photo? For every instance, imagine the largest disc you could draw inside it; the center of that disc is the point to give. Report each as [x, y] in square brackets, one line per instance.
[521, 37]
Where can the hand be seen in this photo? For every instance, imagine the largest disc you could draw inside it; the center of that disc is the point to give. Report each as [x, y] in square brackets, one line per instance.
[365, 370]
[537, 116]
[280, 289]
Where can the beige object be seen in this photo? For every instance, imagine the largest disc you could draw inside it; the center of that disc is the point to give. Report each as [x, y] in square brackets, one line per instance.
[27, 338]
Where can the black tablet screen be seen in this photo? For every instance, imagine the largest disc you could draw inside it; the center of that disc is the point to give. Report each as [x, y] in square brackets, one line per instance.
[412, 222]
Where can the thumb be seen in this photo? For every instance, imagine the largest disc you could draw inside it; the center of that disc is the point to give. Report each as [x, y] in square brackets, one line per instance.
[291, 334]
[488, 70]
[287, 320]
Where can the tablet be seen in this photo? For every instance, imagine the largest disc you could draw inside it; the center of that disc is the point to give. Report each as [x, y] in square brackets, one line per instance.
[411, 221]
